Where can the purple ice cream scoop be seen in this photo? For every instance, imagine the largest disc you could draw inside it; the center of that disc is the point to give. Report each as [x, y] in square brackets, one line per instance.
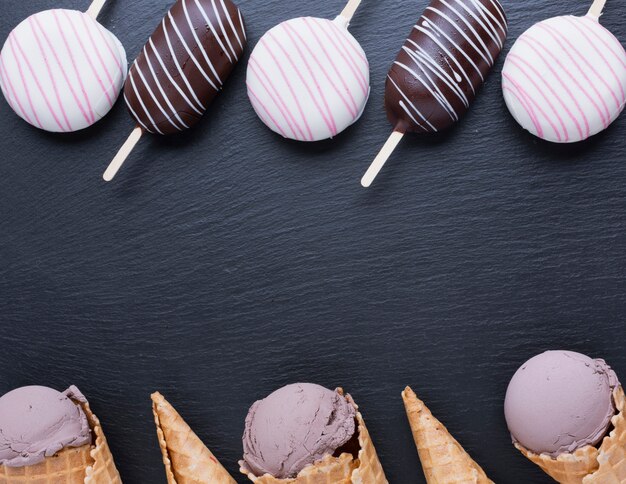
[560, 401]
[37, 422]
[296, 426]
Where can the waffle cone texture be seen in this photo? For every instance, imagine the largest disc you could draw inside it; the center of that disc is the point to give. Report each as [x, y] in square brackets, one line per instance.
[88, 464]
[444, 461]
[590, 465]
[187, 460]
[345, 469]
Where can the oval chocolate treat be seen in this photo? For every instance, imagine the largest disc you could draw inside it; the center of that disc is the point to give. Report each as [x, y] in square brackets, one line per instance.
[443, 64]
[184, 64]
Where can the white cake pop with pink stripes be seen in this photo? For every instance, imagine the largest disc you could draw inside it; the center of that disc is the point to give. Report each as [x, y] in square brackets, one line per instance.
[61, 71]
[308, 78]
[564, 80]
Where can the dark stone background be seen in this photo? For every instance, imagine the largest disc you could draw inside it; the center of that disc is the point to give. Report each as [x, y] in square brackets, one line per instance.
[227, 262]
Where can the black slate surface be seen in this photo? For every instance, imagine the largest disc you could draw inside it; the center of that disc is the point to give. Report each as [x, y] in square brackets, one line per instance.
[226, 262]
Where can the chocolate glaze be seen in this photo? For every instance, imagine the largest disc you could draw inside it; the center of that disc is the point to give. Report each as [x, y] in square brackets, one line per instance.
[443, 63]
[184, 64]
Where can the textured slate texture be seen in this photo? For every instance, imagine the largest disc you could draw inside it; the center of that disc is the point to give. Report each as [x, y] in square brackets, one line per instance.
[226, 262]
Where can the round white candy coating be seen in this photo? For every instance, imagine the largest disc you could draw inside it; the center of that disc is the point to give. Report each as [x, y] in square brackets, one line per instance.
[62, 71]
[308, 78]
[564, 80]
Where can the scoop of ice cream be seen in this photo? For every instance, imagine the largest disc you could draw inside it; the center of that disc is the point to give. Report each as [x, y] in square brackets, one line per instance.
[296, 426]
[560, 401]
[37, 422]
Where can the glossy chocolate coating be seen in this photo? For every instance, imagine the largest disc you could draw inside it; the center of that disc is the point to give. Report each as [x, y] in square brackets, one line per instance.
[443, 63]
[184, 64]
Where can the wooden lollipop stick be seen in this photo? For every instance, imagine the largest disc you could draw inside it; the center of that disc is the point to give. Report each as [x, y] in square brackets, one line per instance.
[122, 154]
[382, 158]
[596, 9]
[348, 11]
[94, 10]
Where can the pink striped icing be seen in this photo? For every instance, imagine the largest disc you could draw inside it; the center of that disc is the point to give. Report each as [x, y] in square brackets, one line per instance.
[291, 66]
[90, 61]
[577, 59]
[532, 105]
[584, 31]
[607, 39]
[276, 98]
[328, 118]
[565, 73]
[66, 67]
[79, 76]
[348, 59]
[94, 46]
[351, 104]
[16, 46]
[266, 111]
[107, 39]
[308, 79]
[558, 86]
[291, 91]
[516, 60]
[593, 70]
[53, 81]
[12, 98]
[507, 88]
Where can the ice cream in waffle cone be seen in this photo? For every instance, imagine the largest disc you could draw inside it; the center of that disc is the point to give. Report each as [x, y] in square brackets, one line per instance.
[443, 459]
[565, 412]
[90, 463]
[187, 460]
[355, 461]
[589, 464]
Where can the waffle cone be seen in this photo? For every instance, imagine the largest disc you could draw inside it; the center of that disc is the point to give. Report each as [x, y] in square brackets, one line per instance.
[443, 459]
[591, 465]
[330, 470]
[345, 469]
[187, 460]
[88, 464]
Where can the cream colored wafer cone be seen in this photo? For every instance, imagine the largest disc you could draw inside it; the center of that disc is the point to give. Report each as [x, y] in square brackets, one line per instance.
[443, 459]
[612, 453]
[102, 469]
[187, 460]
[88, 464]
[591, 465]
[345, 469]
[330, 470]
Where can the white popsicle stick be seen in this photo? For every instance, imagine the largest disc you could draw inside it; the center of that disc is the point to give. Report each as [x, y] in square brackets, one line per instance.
[382, 158]
[94, 9]
[350, 8]
[596, 9]
[122, 154]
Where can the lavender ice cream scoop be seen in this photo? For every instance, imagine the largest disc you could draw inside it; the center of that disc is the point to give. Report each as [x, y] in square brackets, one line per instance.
[296, 426]
[37, 422]
[560, 401]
